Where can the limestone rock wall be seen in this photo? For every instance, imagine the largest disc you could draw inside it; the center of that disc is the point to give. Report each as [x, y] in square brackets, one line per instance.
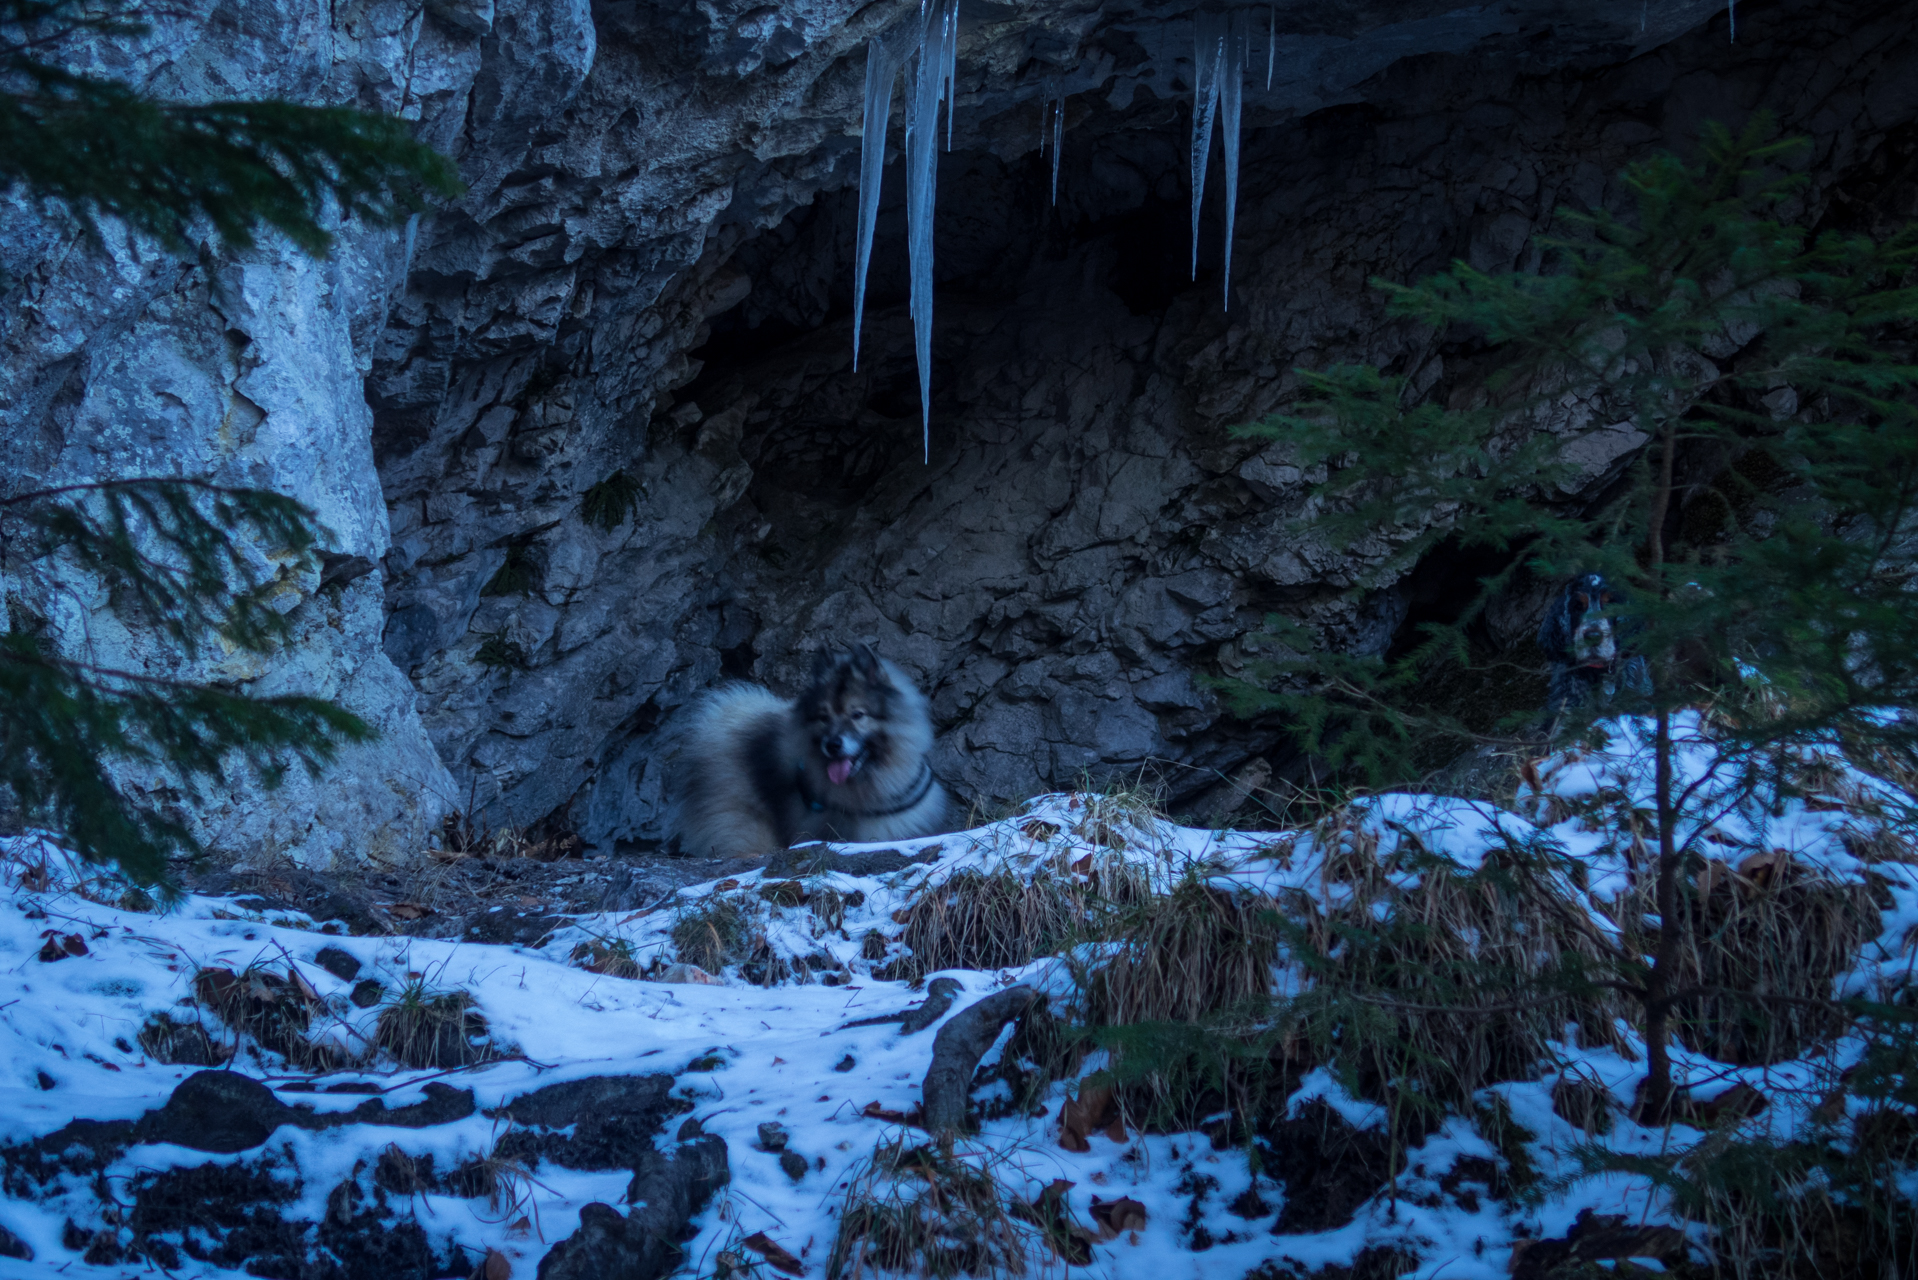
[651, 277]
[242, 369]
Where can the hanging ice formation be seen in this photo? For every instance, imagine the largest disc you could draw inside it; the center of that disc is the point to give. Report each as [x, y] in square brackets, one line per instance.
[1272, 44]
[929, 53]
[1218, 89]
[1058, 131]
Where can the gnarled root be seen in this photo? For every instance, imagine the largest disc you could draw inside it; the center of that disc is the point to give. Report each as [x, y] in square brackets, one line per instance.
[956, 1051]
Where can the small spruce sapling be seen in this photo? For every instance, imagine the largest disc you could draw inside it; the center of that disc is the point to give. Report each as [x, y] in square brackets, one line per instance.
[1764, 524]
[175, 552]
[174, 556]
[105, 150]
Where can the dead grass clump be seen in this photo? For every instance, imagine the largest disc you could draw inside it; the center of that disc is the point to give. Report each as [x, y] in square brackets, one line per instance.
[426, 1027]
[1465, 974]
[1179, 996]
[924, 1211]
[1769, 926]
[987, 920]
[714, 934]
[610, 956]
[830, 905]
[1002, 919]
[1182, 957]
[1119, 814]
[462, 836]
[272, 1009]
[721, 932]
[180, 1044]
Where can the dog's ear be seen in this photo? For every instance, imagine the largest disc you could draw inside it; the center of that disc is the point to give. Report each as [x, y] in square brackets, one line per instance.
[823, 661]
[865, 661]
[1555, 632]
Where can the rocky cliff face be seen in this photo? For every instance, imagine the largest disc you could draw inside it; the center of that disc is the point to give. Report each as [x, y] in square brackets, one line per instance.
[650, 278]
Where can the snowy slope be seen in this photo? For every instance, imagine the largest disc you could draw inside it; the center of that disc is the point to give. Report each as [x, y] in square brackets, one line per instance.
[745, 1055]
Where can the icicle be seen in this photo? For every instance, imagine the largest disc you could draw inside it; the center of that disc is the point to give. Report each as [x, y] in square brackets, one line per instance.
[1232, 96]
[1731, 11]
[1208, 63]
[881, 69]
[1272, 45]
[926, 84]
[1058, 130]
[951, 70]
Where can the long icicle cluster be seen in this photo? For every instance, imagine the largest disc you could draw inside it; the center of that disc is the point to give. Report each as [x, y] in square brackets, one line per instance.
[1058, 132]
[928, 51]
[1221, 42]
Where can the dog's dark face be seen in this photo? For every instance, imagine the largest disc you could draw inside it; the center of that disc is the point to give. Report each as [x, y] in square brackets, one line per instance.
[1588, 634]
[848, 711]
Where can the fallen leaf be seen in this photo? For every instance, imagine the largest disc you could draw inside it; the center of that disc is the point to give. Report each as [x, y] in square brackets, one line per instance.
[59, 946]
[521, 1226]
[1736, 1103]
[874, 1111]
[691, 973]
[410, 910]
[1087, 1114]
[1762, 868]
[1115, 1216]
[776, 1255]
[724, 885]
[497, 1266]
[298, 981]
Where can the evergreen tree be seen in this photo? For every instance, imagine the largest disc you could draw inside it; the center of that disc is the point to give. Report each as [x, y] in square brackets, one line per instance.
[1764, 531]
[180, 556]
[104, 149]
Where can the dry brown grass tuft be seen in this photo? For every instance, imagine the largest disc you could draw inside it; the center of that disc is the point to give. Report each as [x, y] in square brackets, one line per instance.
[927, 1211]
[1768, 926]
[610, 956]
[1471, 971]
[180, 1043]
[1004, 918]
[273, 1009]
[722, 931]
[1183, 956]
[426, 1027]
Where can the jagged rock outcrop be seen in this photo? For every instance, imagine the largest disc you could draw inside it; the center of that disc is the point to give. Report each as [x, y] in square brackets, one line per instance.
[651, 276]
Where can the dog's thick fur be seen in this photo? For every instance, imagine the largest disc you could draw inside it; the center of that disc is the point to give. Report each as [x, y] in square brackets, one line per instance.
[846, 760]
[1583, 637]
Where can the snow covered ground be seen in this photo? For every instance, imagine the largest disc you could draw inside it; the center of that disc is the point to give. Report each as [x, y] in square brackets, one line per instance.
[746, 1055]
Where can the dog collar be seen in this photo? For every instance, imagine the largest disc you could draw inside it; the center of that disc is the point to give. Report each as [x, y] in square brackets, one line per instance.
[918, 791]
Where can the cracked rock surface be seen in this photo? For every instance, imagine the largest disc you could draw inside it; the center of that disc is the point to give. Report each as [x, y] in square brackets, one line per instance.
[650, 276]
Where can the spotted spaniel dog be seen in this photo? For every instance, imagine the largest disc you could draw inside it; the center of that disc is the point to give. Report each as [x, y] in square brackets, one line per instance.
[1581, 635]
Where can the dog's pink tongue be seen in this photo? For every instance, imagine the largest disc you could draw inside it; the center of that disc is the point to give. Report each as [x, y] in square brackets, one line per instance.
[839, 771]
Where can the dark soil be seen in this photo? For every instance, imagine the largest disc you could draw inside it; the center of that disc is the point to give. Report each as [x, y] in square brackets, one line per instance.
[480, 899]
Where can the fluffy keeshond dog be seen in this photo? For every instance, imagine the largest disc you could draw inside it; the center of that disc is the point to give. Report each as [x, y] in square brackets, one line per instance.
[846, 760]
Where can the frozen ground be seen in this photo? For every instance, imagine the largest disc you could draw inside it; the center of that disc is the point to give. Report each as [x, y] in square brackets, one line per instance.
[744, 1055]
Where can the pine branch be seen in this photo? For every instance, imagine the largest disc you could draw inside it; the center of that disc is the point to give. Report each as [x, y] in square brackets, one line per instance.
[185, 556]
[187, 553]
[61, 722]
[105, 150]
